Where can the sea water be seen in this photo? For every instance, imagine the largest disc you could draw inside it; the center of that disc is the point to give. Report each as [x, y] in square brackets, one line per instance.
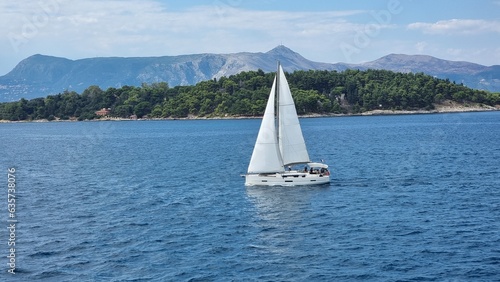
[412, 198]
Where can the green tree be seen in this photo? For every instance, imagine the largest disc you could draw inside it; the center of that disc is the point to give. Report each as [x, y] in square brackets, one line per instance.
[142, 109]
[123, 111]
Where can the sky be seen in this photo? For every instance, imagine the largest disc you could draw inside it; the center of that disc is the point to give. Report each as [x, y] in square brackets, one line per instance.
[329, 31]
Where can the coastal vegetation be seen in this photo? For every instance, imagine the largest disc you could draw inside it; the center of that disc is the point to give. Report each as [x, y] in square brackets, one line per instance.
[246, 93]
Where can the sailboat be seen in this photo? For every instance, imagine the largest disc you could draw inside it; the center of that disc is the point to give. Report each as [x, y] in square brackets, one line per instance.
[280, 144]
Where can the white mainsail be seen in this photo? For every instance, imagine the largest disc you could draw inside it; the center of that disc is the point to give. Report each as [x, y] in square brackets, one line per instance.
[291, 141]
[266, 156]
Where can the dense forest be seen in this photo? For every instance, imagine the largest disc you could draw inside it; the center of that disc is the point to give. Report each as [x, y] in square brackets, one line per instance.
[245, 94]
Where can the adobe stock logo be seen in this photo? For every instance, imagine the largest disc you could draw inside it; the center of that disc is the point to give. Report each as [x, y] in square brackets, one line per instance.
[32, 24]
[362, 38]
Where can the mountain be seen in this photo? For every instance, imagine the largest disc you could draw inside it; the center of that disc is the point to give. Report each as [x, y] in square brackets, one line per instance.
[472, 75]
[40, 75]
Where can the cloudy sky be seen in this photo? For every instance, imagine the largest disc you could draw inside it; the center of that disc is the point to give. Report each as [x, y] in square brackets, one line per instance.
[320, 30]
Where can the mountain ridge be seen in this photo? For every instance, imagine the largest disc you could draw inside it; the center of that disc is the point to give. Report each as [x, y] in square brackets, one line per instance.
[41, 75]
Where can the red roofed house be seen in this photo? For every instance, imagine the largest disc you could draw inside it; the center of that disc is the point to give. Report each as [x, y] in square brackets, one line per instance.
[103, 112]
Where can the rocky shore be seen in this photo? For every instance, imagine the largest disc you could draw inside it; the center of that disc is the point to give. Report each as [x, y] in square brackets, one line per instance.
[445, 107]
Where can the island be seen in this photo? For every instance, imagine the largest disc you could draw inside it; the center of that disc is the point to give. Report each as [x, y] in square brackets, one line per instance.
[243, 95]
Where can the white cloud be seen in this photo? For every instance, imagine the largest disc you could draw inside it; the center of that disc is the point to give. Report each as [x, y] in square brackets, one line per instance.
[122, 24]
[421, 46]
[457, 26]
[454, 52]
[79, 29]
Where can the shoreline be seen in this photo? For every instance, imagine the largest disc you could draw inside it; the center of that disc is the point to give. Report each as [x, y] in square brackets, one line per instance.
[448, 107]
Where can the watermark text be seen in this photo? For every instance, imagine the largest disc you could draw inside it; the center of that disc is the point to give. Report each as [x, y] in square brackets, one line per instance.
[362, 38]
[12, 219]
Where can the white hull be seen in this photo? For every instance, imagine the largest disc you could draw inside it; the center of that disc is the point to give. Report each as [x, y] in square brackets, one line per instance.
[286, 179]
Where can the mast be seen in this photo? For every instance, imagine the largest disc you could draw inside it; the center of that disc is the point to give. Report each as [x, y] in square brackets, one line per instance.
[277, 113]
[277, 95]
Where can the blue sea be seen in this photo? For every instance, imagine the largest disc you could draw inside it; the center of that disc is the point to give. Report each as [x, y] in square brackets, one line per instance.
[412, 198]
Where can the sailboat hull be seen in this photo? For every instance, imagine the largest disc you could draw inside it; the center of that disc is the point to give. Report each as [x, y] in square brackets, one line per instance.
[286, 179]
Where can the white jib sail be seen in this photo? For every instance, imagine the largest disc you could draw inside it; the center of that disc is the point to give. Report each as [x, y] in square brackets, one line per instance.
[266, 157]
[291, 141]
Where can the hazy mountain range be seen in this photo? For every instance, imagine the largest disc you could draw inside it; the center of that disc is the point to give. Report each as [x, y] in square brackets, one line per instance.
[40, 75]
